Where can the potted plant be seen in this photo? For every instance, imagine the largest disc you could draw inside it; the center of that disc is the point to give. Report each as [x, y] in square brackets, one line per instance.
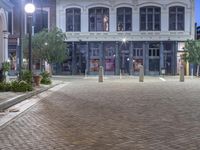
[37, 79]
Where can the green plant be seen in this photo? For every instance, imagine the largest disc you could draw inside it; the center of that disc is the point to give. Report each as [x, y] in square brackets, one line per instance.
[45, 78]
[26, 75]
[4, 87]
[6, 66]
[21, 86]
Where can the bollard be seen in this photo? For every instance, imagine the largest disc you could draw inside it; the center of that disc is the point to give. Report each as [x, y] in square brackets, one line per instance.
[181, 74]
[85, 73]
[141, 74]
[120, 74]
[192, 73]
[101, 72]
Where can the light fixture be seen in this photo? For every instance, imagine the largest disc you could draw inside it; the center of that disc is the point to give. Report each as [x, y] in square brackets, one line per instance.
[29, 8]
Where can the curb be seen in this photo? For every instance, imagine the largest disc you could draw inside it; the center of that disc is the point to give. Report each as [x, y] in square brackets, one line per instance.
[13, 101]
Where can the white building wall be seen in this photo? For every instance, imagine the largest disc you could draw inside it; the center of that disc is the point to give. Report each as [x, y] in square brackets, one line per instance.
[136, 35]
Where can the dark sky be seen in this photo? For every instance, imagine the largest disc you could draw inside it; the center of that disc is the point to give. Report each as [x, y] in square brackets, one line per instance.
[197, 9]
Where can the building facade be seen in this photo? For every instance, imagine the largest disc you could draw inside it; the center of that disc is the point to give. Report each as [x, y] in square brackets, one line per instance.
[121, 36]
[5, 8]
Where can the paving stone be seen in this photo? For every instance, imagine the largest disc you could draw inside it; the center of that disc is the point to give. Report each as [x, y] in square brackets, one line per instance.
[114, 115]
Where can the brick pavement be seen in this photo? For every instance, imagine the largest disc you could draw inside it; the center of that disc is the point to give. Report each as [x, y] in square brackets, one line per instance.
[114, 115]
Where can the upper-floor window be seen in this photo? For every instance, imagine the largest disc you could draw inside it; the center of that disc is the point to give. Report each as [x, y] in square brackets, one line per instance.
[40, 20]
[99, 19]
[176, 18]
[73, 19]
[150, 18]
[124, 19]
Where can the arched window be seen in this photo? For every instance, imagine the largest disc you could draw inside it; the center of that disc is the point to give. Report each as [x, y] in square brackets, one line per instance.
[73, 20]
[40, 20]
[150, 18]
[176, 18]
[99, 19]
[124, 19]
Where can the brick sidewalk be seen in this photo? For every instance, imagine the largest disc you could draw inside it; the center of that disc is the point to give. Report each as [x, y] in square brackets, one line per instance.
[114, 115]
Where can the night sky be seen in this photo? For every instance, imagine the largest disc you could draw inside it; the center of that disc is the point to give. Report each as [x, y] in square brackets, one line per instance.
[197, 9]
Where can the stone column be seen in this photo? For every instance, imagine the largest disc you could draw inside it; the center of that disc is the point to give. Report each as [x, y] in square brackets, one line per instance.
[161, 56]
[87, 57]
[131, 58]
[146, 49]
[73, 59]
[117, 59]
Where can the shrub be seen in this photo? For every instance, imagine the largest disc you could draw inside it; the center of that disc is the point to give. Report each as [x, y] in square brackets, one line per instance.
[26, 76]
[5, 66]
[4, 87]
[45, 78]
[21, 86]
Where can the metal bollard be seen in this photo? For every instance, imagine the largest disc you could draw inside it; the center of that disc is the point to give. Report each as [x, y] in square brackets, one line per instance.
[101, 72]
[141, 74]
[182, 74]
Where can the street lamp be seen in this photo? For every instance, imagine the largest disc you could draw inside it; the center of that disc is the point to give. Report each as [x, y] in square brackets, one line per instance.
[30, 9]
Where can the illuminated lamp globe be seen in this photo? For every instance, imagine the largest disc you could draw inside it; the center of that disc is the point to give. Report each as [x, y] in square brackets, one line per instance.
[29, 8]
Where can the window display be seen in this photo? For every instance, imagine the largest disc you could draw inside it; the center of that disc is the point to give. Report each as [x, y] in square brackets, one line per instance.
[94, 65]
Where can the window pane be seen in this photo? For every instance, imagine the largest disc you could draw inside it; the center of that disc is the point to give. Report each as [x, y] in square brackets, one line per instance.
[73, 19]
[99, 19]
[154, 64]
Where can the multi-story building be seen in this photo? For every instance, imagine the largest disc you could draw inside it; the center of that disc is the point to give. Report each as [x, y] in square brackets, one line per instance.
[5, 8]
[122, 35]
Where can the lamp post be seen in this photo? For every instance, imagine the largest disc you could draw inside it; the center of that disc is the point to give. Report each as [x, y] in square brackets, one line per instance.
[30, 9]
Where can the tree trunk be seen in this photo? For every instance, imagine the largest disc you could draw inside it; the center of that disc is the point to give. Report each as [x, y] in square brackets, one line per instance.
[198, 70]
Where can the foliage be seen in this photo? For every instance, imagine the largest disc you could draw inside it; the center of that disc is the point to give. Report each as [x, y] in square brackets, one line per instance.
[26, 75]
[192, 52]
[4, 87]
[2, 76]
[45, 78]
[48, 46]
[15, 86]
[6, 66]
[192, 49]
[21, 86]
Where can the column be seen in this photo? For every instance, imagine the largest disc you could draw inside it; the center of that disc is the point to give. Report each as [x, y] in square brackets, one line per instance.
[87, 57]
[73, 59]
[117, 59]
[131, 58]
[161, 56]
[174, 61]
[5, 46]
[101, 55]
[146, 57]
[1, 49]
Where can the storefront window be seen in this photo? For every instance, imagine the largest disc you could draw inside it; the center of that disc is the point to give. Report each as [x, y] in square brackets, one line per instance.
[154, 57]
[124, 58]
[94, 56]
[109, 51]
[137, 56]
